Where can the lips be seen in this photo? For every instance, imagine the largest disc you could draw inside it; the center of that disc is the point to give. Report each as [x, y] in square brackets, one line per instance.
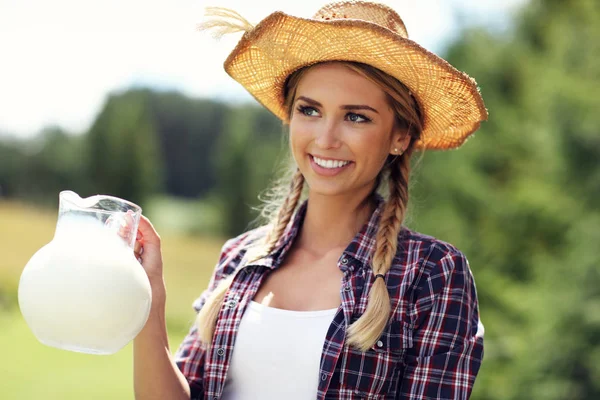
[329, 163]
[332, 167]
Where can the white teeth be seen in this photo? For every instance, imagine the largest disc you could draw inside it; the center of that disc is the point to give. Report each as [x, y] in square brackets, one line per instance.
[330, 163]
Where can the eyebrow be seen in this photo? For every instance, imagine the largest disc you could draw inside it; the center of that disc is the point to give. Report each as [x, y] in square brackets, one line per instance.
[344, 107]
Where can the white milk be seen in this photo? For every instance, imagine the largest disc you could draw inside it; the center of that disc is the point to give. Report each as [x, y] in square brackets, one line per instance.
[85, 291]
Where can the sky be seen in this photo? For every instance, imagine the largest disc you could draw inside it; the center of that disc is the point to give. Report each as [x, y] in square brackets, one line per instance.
[60, 59]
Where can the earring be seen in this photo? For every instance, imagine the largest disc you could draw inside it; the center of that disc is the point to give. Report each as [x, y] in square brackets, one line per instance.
[395, 150]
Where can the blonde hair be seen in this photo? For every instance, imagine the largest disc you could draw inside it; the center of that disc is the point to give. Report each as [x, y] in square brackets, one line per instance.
[285, 196]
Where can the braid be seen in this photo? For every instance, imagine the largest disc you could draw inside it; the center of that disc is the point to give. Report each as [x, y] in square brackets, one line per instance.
[368, 328]
[286, 211]
[207, 317]
[391, 220]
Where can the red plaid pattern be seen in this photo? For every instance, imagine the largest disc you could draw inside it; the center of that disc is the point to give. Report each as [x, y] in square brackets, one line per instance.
[430, 349]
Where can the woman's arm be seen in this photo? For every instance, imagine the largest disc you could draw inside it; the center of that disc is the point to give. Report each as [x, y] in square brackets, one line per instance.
[448, 339]
[155, 374]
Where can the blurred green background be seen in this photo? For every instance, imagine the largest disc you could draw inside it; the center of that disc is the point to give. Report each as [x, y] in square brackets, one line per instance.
[521, 199]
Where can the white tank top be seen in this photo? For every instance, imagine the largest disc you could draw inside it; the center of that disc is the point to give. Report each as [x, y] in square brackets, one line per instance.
[277, 354]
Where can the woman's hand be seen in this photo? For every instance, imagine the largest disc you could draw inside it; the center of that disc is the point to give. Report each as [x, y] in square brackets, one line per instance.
[147, 247]
[148, 251]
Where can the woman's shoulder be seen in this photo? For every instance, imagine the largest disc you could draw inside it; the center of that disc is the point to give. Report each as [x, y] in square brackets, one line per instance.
[410, 236]
[239, 245]
[426, 249]
[235, 248]
[437, 271]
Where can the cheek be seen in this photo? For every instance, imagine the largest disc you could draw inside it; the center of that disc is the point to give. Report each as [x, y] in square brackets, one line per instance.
[299, 134]
[372, 144]
[296, 142]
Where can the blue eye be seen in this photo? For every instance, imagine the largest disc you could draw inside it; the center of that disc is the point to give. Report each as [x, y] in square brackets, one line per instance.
[308, 111]
[358, 118]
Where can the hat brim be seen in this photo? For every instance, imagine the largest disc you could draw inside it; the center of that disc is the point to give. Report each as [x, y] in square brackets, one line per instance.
[450, 102]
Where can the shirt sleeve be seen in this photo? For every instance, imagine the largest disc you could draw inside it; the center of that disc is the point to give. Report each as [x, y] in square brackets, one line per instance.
[448, 335]
[190, 355]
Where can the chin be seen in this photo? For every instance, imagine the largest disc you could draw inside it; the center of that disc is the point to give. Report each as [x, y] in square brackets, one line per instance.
[329, 190]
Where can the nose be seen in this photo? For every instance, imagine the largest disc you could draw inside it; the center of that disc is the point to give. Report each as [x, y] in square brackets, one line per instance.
[327, 135]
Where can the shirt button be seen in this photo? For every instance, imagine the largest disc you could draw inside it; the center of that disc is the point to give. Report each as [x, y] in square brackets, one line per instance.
[323, 377]
[379, 343]
[231, 304]
[344, 261]
[348, 288]
[221, 352]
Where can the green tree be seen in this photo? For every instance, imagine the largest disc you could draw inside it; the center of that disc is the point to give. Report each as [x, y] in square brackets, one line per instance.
[37, 169]
[188, 131]
[124, 152]
[11, 161]
[246, 159]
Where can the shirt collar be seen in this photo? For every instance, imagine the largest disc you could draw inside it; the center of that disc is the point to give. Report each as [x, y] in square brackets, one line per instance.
[360, 248]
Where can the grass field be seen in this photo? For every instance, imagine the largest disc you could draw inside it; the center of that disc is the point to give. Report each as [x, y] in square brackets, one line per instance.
[31, 370]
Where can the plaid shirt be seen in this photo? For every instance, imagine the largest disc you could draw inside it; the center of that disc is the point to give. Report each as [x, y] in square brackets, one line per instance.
[430, 349]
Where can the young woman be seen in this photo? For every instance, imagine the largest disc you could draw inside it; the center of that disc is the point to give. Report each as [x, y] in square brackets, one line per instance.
[334, 298]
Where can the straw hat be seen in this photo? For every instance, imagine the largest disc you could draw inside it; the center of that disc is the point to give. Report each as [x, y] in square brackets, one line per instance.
[370, 33]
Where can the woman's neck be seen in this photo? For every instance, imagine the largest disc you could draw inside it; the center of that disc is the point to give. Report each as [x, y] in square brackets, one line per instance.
[331, 222]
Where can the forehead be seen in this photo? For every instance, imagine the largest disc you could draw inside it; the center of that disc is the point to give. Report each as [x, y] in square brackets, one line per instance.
[335, 82]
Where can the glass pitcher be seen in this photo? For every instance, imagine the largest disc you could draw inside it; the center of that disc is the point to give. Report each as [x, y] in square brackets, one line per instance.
[85, 291]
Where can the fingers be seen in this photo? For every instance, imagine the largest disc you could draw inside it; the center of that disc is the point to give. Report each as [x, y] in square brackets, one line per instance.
[148, 249]
[147, 237]
[138, 248]
[127, 225]
[123, 224]
[148, 233]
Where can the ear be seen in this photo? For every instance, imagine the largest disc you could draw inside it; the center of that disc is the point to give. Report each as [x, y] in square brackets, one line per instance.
[400, 141]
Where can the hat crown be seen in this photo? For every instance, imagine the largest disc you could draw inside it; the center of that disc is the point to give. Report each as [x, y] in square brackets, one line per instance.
[374, 13]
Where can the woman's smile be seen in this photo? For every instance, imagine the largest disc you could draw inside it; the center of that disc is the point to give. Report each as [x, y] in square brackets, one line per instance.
[328, 167]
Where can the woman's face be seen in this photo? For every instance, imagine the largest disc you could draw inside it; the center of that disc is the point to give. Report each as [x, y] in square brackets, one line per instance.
[341, 130]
